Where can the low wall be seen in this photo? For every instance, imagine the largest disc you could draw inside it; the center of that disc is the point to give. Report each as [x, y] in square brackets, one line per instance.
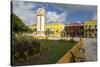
[68, 56]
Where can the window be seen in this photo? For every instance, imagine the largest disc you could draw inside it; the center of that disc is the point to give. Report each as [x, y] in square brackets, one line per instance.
[89, 26]
[86, 26]
[42, 31]
[95, 26]
[96, 30]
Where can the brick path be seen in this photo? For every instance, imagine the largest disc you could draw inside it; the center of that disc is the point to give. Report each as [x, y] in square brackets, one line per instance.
[90, 46]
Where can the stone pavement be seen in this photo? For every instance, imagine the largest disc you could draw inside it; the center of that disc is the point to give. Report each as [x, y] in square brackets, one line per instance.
[90, 46]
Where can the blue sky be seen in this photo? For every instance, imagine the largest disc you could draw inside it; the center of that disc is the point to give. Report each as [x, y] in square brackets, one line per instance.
[55, 12]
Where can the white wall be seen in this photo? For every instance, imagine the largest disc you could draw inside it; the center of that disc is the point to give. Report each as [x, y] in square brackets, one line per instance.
[42, 23]
[38, 23]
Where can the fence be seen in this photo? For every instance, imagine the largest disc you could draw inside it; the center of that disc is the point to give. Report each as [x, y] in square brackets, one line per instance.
[73, 55]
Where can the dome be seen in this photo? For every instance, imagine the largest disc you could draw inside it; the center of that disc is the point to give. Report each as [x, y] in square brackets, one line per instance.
[41, 11]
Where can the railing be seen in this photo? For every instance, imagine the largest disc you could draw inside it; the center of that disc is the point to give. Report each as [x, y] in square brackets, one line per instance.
[74, 55]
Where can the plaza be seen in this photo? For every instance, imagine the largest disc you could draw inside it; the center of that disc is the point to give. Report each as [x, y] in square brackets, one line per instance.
[49, 37]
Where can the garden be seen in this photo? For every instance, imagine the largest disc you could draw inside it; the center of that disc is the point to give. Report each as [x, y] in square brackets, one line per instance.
[26, 50]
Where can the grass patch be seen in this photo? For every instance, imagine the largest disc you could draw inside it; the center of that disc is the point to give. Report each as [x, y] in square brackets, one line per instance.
[56, 49]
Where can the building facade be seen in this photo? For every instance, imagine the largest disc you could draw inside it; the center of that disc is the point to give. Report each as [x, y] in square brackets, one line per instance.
[40, 21]
[90, 28]
[74, 30]
[52, 29]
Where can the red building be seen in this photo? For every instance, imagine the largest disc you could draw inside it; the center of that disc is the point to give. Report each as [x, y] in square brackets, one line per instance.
[74, 30]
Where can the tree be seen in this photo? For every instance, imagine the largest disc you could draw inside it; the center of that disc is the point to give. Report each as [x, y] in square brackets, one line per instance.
[47, 32]
[18, 25]
[80, 32]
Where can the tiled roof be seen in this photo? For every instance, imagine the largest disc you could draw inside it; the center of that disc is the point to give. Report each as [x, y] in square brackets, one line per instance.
[75, 24]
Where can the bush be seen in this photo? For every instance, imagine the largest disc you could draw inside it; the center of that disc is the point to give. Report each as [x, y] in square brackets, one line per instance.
[23, 46]
[18, 25]
[71, 40]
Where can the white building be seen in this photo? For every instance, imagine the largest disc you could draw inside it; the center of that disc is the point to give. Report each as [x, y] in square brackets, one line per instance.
[40, 20]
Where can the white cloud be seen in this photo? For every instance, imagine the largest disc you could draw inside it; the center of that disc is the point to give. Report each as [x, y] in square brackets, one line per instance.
[52, 16]
[24, 11]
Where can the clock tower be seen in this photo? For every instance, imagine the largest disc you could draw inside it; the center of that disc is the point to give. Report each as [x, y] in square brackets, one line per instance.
[40, 23]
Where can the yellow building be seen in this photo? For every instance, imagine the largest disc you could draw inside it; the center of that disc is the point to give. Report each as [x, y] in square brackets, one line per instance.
[90, 28]
[51, 29]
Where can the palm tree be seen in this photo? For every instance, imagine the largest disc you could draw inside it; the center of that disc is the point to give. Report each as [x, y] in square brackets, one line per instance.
[48, 32]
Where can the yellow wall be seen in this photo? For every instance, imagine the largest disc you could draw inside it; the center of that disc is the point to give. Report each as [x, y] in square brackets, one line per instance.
[55, 27]
[91, 24]
[32, 26]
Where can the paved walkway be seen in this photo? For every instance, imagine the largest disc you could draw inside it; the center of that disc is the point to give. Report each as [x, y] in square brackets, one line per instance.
[90, 46]
[66, 38]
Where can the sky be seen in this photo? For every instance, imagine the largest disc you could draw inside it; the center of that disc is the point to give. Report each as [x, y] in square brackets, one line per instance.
[54, 12]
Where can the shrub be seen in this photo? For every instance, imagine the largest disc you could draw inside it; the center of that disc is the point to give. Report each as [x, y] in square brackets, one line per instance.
[71, 40]
[23, 46]
[18, 25]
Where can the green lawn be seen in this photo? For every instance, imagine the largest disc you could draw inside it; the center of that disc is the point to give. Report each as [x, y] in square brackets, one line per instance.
[56, 49]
